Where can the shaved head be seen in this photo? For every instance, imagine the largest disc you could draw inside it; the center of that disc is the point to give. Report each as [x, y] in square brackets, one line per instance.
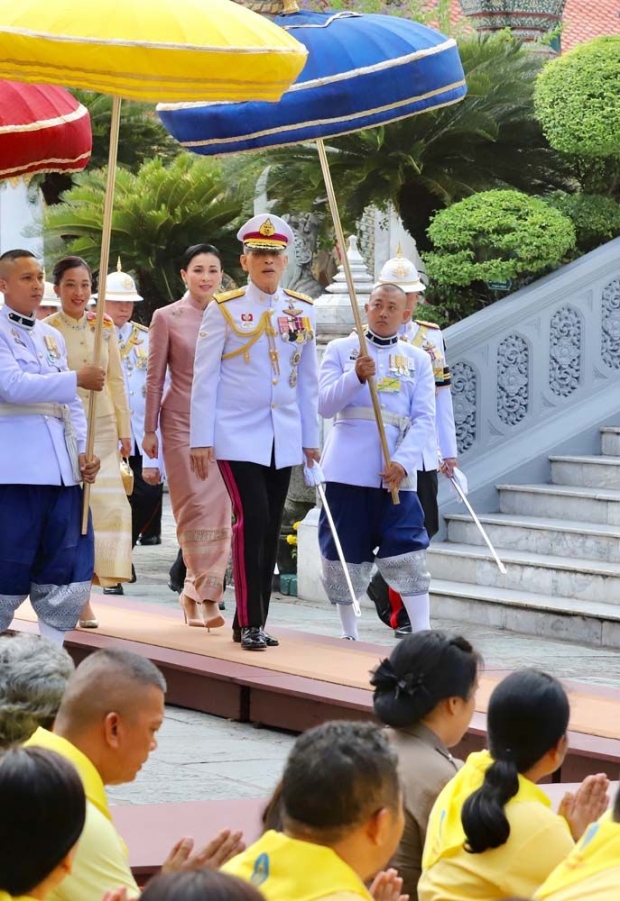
[388, 290]
[9, 257]
[107, 681]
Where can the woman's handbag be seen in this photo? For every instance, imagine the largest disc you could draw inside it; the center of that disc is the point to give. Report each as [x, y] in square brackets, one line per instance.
[127, 476]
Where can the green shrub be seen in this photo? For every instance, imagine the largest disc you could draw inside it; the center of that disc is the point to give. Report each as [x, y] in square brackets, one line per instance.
[596, 217]
[496, 237]
[577, 99]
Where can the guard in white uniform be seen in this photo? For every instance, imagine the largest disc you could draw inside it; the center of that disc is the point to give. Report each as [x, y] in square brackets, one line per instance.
[133, 343]
[254, 410]
[357, 480]
[426, 335]
[42, 459]
[49, 302]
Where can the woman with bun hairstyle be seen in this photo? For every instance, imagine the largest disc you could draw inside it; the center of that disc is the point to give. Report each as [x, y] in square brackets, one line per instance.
[43, 812]
[425, 693]
[492, 833]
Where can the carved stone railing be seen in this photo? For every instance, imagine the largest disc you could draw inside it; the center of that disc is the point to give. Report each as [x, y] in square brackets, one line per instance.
[537, 372]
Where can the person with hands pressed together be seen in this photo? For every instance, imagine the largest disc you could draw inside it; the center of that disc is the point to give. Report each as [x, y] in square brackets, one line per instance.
[491, 832]
[107, 726]
[254, 411]
[42, 459]
[358, 481]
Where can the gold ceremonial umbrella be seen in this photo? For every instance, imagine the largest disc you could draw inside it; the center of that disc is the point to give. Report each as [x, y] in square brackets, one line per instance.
[165, 50]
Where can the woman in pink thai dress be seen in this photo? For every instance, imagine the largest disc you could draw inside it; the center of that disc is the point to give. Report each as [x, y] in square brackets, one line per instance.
[201, 509]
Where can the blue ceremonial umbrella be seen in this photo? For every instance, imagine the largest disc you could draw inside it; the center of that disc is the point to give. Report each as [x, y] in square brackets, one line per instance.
[362, 70]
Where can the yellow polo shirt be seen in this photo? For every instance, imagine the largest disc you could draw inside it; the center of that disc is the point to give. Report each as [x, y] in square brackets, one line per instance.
[286, 869]
[591, 871]
[101, 862]
[539, 840]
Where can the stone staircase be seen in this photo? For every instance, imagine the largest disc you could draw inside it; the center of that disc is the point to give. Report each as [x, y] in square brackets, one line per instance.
[560, 544]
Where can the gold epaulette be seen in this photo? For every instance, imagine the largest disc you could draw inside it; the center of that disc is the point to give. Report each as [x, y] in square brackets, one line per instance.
[427, 324]
[298, 296]
[229, 295]
[139, 326]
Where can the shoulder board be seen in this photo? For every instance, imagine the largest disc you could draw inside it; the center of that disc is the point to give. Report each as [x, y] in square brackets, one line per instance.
[141, 328]
[427, 324]
[229, 295]
[298, 296]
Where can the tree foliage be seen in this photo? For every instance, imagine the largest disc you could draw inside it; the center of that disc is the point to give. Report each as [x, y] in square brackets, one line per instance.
[424, 163]
[497, 236]
[158, 213]
[596, 218]
[142, 138]
[577, 99]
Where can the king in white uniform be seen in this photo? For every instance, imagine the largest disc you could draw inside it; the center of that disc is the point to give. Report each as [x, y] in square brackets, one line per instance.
[357, 478]
[42, 464]
[254, 409]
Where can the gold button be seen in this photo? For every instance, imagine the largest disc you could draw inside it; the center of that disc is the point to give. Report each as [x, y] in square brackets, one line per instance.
[274, 381]
[273, 406]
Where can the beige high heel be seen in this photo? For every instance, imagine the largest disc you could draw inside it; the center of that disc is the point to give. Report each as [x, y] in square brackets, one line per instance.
[190, 611]
[213, 619]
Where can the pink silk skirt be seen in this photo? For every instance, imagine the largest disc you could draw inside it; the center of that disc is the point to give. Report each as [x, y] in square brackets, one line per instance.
[201, 510]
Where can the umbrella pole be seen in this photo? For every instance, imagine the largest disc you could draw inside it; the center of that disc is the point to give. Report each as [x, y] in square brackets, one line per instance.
[374, 395]
[103, 274]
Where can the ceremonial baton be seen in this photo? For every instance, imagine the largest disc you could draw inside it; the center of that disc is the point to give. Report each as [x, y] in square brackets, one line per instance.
[472, 513]
[314, 477]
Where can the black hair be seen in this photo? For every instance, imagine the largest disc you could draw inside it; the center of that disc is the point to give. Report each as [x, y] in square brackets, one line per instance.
[43, 812]
[17, 254]
[422, 670]
[67, 263]
[337, 775]
[528, 715]
[199, 885]
[195, 250]
[271, 817]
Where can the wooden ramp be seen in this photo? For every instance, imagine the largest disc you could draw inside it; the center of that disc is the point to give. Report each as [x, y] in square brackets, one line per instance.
[307, 680]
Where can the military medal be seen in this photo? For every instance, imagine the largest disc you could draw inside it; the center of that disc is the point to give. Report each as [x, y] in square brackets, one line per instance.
[53, 352]
[295, 361]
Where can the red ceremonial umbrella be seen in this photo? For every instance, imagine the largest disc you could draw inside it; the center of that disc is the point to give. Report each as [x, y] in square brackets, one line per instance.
[43, 128]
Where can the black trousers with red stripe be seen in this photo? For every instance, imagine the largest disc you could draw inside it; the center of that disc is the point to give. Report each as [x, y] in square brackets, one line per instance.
[257, 494]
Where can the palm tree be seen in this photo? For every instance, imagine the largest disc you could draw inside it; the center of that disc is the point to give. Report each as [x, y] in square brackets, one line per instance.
[426, 162]
[157, 214]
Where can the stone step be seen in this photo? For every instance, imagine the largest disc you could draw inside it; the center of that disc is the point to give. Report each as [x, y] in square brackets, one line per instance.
[583, 622]
[561, 502]
[586, 472]
[558, 537]
[610, 440]
[587, 580]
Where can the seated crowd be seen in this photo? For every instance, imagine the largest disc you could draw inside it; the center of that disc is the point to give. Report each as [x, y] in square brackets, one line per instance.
[361, 811]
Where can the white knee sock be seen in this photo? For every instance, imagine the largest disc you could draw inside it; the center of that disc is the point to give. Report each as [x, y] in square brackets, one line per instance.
[348, 620]
[51, 633]
[418, 608]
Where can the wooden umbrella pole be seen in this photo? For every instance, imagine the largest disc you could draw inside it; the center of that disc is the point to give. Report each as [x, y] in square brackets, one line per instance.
[374, 395]
[108, 208]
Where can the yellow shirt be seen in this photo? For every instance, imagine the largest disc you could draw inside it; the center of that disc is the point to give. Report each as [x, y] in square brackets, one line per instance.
[101, 862]
[79, 335]
[284, 868]
[591, 870]
[539, 839]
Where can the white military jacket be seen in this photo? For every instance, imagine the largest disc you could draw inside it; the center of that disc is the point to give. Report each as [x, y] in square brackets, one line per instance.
[133, 344]
[428, 337]
[255, 387]
[33, 370]
[404, 378]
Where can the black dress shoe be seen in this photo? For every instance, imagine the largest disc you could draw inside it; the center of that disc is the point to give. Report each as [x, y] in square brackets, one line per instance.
[222, 605]
[252, 639]
[149, 542]
[114, 589]
[403, 631]
[270, 641]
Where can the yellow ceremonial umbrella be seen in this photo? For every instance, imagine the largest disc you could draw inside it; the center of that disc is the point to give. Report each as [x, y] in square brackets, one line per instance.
[158, 50]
